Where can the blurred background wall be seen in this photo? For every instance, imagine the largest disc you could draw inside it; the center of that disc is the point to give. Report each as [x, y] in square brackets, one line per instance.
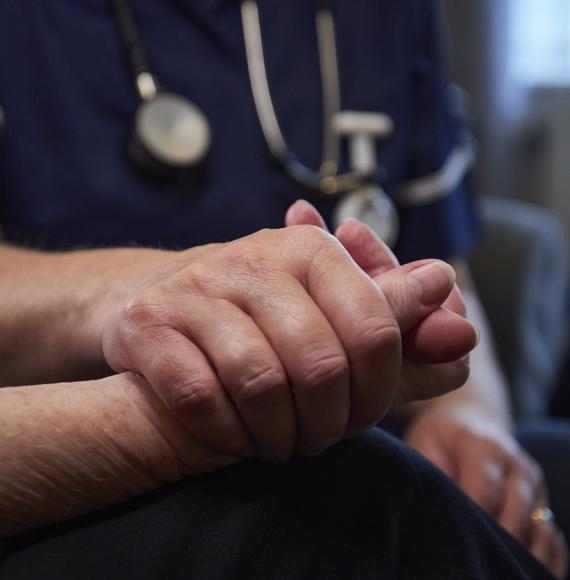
[513, 58]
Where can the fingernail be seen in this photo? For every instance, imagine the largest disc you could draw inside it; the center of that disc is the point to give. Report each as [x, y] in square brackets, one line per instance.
[477, 336]
[434, 281]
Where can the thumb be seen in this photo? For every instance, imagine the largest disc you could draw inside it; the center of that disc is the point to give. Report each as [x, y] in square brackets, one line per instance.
[415, 293]
[416, 290]
[443, 336]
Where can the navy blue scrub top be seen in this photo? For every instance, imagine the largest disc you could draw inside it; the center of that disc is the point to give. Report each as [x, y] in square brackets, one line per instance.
[69, 102]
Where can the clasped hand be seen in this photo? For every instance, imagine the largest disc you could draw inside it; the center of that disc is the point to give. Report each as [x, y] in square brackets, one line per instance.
[291, 339]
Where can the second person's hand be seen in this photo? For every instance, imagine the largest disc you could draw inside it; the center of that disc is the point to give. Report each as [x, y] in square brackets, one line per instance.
[275, 339]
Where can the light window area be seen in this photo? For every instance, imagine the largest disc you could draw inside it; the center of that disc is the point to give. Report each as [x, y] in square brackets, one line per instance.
[540, 42]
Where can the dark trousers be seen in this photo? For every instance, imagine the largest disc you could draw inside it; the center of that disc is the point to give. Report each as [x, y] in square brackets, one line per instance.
[368, 508]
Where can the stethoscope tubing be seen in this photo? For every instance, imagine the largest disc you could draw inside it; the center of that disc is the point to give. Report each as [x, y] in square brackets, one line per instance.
[326, 180]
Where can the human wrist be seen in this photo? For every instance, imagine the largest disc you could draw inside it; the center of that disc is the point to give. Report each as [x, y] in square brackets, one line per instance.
[70, 448]
[108, 278]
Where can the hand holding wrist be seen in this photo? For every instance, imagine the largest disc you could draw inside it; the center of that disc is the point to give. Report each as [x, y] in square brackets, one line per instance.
[71, 448]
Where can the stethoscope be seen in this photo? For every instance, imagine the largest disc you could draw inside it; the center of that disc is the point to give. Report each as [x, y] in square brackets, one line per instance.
[170, 133]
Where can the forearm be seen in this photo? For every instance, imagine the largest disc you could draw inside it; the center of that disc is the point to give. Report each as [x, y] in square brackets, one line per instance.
[54, 306]
[68, 449]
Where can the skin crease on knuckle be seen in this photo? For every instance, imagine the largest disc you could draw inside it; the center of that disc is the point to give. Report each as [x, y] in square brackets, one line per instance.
[137, 327]
[145, 313]
[143, 304]
[258, 383]
[379, 335]
[195, 395]
[321, 368]
[378, 347]
[320, 371]
[406, 302]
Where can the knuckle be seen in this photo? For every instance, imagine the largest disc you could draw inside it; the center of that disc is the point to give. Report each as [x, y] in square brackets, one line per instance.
[199, 278]
[310, 234]
[325, 368]
[141, 310]
[399, 292]
[534, 473]
[196, 395]
[316, 244]
[380, 334]
[140, 323]
[260, 384]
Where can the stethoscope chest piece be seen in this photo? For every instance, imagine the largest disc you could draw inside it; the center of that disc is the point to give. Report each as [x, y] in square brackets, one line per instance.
[169, 132]
[373, 207]
[368, 203]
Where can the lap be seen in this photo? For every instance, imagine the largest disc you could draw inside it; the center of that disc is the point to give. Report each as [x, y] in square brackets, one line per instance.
[368, 508]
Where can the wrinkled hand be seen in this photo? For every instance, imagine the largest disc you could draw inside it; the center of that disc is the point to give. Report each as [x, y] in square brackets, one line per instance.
[486, 461]
[433, 348]
[280, 340]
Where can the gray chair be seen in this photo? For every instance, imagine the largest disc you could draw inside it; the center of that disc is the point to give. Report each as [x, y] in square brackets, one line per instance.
[519, 268]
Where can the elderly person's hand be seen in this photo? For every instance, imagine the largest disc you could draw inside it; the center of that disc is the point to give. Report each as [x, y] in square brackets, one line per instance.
[475, 450]
[434, 348]
[486, 461]
[281, 340]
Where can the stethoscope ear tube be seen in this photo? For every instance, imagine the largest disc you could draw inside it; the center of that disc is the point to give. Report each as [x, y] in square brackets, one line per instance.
[170, 134]
[131, 39]
[326, 180]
